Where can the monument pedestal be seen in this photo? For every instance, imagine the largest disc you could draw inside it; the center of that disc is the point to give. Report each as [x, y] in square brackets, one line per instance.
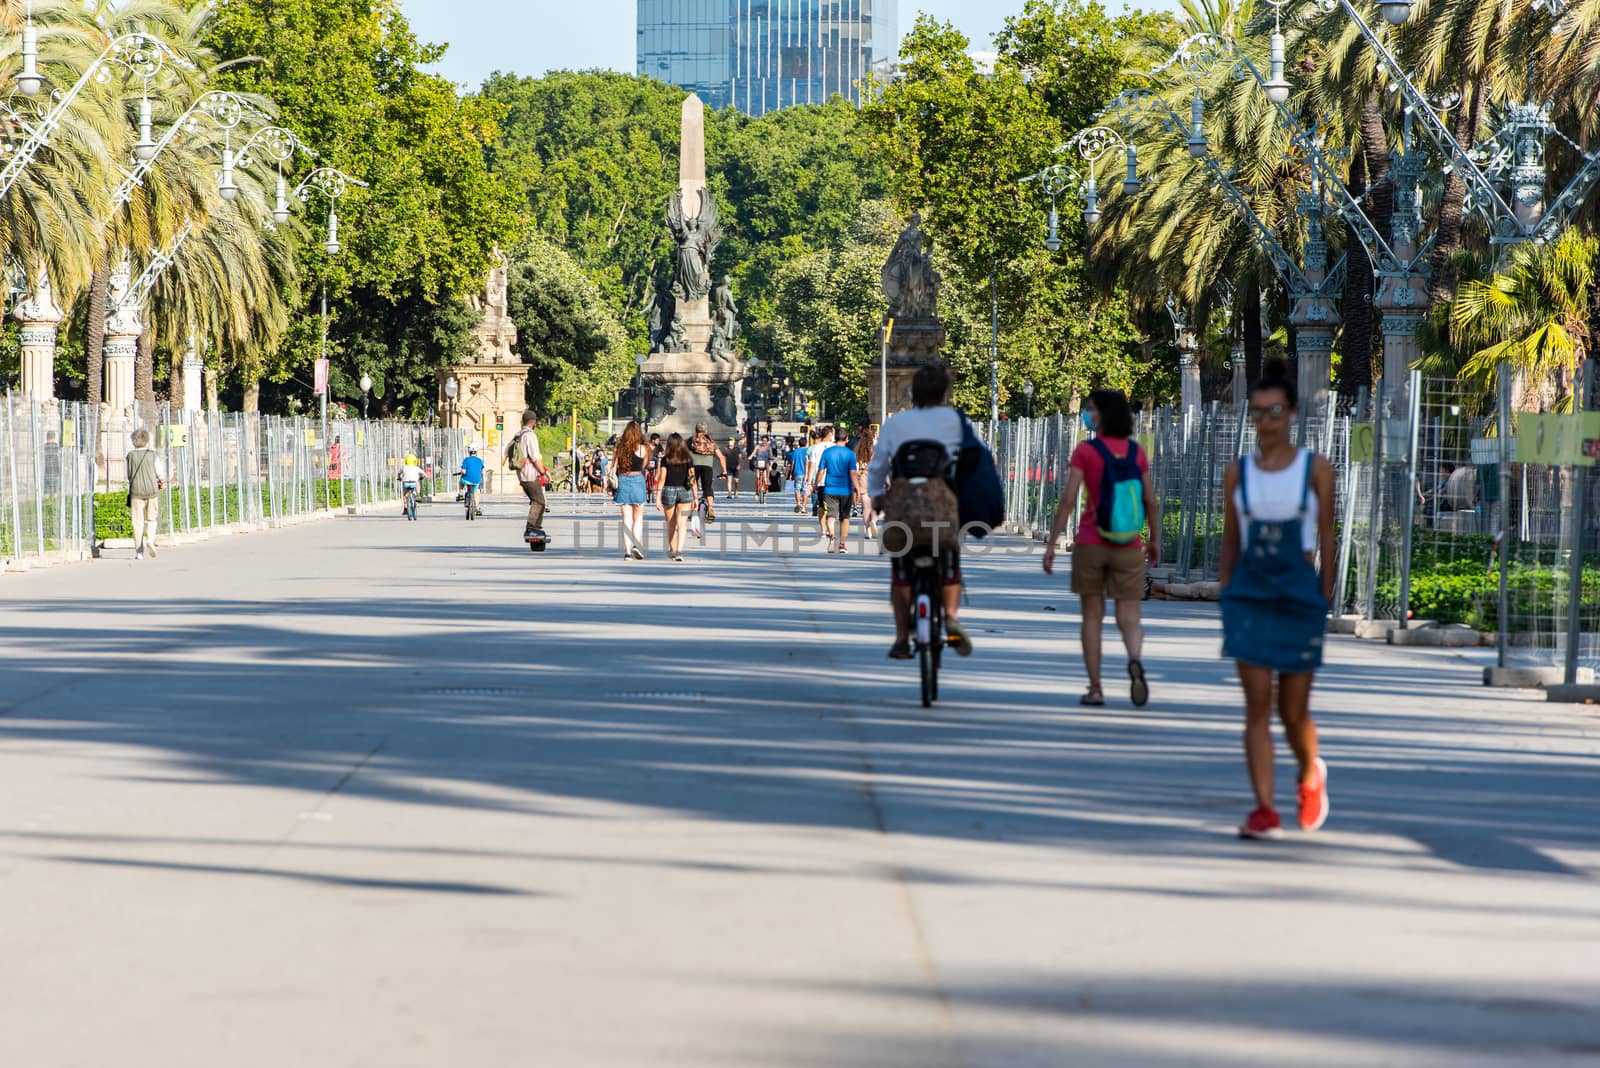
[914, 344]
[686, 388]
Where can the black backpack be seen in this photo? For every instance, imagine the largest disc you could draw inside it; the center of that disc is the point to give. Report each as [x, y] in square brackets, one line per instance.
[922, 459]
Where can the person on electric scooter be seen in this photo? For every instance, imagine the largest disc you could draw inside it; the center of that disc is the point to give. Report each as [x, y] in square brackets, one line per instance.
[523, 456]
[471, 472]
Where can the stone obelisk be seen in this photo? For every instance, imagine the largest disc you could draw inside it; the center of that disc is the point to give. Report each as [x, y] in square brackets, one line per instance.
[692, 374]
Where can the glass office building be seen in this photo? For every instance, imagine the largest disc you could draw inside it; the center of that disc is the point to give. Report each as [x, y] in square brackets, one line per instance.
[760, 55]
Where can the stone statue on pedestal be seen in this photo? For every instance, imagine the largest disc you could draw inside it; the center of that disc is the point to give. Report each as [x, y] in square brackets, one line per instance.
[693, 370]
[697, 235]
[724, 321]
[910, 283]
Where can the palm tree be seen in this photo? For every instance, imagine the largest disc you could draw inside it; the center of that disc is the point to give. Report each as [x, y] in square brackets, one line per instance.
[1532, 318]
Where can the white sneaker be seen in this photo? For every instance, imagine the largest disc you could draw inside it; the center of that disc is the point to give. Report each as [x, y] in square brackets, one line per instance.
[138, 554]
[150, 547]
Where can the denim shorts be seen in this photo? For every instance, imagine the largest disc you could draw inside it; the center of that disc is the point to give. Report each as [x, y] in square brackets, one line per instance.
[673, 496]
[630, 490]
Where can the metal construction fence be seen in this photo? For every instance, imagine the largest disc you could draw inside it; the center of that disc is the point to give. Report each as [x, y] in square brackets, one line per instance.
[1436, 517]
[63, 476]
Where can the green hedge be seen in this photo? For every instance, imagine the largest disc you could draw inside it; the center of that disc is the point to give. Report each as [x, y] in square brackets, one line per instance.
[1466, 591]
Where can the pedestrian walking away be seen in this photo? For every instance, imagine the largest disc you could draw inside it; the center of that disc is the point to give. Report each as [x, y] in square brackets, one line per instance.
[677, 493]
[652, 473]
[731, 461]
[821, 442]
[703, 450]
[930, 419]
[866, 441]
[1274, 599]
[838, 471]
[1109, 550]
[628, 466]
[797, 472]
[522, 456]
[147, 478]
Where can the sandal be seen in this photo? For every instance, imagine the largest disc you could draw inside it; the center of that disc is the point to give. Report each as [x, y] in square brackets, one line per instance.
[1093, 698]
[1139, 691]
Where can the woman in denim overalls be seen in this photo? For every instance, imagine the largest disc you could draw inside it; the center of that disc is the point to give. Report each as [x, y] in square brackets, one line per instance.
[1274, 601]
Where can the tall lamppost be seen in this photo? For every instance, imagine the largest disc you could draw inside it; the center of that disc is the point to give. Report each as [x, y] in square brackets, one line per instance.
[329, 181]
[366, 390]
[1027, 391]
[451, 388]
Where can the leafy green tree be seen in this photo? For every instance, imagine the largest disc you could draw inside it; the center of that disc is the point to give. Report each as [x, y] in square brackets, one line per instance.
[580, 355]
[958, 141]
[347, 77]
[592, 159]
[794, 181]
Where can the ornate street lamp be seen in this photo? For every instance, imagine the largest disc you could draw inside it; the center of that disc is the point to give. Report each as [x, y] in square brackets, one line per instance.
[1027, 391]
[366, 388]
[141, 53]
[451, 388]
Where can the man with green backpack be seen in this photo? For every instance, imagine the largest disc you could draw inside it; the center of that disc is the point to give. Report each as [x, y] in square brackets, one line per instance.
[522, 456]
[1109, 550]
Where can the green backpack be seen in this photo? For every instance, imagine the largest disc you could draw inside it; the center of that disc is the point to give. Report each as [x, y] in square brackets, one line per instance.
[1119, 513]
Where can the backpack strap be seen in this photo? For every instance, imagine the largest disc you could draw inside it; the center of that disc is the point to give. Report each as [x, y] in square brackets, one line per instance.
[1305, 490]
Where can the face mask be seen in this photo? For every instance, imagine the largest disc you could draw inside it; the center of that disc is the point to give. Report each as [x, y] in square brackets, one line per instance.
[1088, 419]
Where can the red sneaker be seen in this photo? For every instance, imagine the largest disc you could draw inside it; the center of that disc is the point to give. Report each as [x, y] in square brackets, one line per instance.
[1314, 798]
[1262, 823]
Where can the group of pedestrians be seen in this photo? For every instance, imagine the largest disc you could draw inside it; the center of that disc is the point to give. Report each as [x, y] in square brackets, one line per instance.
[676, 474]
[1274, 596]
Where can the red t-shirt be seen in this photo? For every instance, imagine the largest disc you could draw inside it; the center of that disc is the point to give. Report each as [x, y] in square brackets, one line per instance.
[1087, 459]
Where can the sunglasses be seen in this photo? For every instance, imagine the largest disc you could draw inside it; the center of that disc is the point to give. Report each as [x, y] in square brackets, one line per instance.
[1269, 411]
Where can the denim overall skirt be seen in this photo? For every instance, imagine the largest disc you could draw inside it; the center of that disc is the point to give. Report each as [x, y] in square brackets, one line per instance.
[1273, 612]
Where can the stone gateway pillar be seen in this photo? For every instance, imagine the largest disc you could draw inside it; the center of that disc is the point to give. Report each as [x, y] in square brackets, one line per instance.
[39, 315]
[493, 387]
[191, 377]
[122, 341]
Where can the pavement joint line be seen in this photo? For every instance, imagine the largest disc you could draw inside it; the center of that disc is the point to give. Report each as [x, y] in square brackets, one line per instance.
[897, 868]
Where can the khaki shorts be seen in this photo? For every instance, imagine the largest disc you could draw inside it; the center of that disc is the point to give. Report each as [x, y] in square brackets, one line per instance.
[1112, 571]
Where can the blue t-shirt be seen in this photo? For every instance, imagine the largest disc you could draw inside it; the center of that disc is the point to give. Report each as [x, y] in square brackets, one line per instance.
[472, 470]
[798, 458]
[836, 464]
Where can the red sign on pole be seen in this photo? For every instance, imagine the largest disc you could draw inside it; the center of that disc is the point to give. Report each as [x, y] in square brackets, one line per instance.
[322, 378]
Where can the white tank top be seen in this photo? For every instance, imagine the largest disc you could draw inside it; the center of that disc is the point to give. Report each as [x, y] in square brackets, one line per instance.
[1275, 495]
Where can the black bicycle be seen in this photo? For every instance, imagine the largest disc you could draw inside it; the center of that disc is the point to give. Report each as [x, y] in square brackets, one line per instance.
[471, 497]
[927, 611]
[411, 503]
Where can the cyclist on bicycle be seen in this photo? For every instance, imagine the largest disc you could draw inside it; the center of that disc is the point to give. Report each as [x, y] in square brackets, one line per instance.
[761, 463]
[930, 418]
[410, 477]
[471, 472]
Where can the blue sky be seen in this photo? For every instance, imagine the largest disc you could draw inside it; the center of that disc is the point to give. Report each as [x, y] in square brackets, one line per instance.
[533, 36]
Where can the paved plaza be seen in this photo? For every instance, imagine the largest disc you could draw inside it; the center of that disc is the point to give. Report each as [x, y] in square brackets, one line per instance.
[363, 792]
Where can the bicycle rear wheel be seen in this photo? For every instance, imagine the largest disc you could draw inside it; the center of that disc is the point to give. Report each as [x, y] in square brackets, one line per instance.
[930, 675]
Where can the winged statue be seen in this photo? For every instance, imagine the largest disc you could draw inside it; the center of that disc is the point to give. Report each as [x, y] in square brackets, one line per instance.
[697, 238]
